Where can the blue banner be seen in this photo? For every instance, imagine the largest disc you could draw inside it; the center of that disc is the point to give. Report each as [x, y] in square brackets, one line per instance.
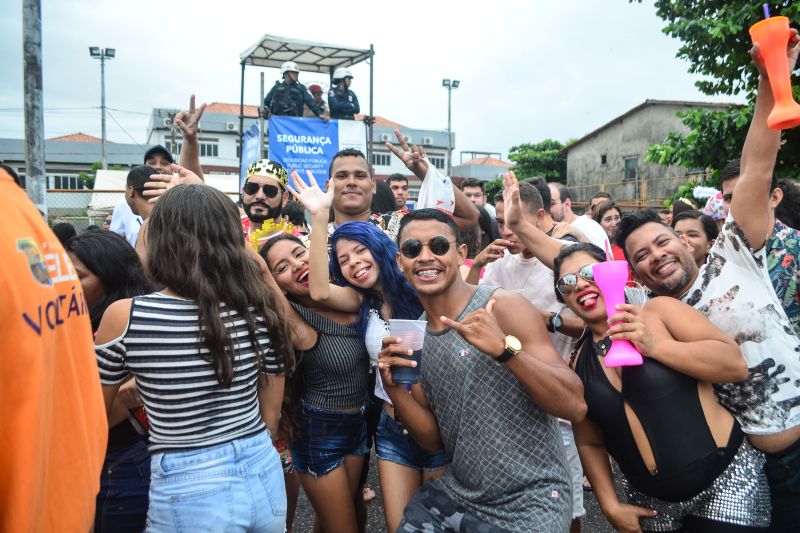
[250, 150]
[309, 144]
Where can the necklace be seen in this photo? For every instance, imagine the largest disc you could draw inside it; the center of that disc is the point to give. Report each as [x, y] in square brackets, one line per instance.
[526, 274]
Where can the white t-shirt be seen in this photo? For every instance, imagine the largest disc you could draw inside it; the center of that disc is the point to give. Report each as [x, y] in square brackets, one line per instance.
[535, 281]
[593, 231]
[377, 329]
[490, 209]
[125, 223]
[734, 291]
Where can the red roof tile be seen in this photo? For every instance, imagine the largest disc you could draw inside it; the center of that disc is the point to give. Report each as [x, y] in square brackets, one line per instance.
[79, 138]
[232, 109]
[488, 161]
[380, 121]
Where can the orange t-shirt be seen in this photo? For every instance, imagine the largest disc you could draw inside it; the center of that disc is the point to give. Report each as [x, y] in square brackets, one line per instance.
[53, 427]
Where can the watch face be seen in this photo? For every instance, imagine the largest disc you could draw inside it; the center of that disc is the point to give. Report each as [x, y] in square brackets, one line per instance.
[513, 343]
[558, 321]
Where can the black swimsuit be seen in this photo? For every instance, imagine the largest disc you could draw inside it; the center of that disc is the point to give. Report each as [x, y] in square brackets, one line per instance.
[667, 403]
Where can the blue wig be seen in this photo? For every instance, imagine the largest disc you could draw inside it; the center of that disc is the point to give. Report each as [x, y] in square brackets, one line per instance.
[395, 288]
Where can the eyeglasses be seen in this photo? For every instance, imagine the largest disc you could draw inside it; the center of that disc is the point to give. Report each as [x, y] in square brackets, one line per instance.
[107, 221]
[568, 282]
[411, 248]
[270, 191]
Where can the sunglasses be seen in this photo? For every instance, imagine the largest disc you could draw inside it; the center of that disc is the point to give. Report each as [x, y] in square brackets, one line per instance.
[270, 191]
[568, 282]
[411, 248]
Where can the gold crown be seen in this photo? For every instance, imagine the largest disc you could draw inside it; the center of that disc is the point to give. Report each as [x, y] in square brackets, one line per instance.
[269, 169]
[269, 229]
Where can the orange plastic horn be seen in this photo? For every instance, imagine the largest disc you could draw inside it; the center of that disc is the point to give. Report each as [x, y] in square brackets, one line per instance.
[772, 36]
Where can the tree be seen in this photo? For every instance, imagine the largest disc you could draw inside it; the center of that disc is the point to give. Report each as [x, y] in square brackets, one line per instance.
[716, 43]
[544, 159]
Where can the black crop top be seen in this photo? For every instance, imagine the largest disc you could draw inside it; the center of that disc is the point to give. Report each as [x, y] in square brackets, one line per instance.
[667, 403]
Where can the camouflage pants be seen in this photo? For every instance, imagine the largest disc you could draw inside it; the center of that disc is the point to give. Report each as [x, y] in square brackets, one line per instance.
[432, 511]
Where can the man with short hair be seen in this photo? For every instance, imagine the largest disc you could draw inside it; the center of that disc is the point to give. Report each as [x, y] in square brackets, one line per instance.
[475, 191]
[139, 205]
[264, 193]
[399, 186]
[342, 101]
[490, 386]
[287, 97]
[561, 210]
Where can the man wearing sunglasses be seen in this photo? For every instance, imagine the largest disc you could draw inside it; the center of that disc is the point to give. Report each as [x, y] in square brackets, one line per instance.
[492, 379]
[264, 192]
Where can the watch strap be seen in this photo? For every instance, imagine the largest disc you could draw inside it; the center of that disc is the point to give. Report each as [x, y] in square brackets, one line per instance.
[505, 356]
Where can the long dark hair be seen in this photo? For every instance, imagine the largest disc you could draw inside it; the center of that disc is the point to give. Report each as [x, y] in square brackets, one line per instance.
[394, 286]
[114, 261]
[195, 248]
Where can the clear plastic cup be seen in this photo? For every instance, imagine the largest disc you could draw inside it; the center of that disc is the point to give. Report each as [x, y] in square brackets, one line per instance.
[412, 335]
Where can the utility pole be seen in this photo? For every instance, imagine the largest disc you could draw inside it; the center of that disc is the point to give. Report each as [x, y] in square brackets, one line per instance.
[35, 171]
[102, 54]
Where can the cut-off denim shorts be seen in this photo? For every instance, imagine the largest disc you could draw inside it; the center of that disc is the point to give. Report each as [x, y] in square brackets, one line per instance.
[237, 486]
[326, 437]
[393, 443]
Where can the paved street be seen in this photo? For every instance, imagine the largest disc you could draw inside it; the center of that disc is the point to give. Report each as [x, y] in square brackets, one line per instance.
[593, 522]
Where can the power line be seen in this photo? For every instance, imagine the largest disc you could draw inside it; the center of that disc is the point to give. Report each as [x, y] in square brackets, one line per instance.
[124, 130]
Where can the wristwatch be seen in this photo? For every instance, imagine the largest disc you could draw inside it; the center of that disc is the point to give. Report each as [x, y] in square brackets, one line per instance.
[513, 347]
[555, 322]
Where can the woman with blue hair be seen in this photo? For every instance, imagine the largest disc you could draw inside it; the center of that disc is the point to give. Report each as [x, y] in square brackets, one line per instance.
[365, 278]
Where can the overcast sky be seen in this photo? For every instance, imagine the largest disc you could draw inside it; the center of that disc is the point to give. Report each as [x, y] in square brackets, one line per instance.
[528, 70]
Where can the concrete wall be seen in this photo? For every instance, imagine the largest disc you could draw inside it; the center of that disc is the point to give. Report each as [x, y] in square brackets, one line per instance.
[627, 138]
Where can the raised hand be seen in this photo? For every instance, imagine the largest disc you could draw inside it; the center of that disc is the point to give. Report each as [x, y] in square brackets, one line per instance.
[511, 203]
[314, 199]
[628, 324]
[413, 158]
[189, 121]
[792, 52]
[161, 183]
[480, 329]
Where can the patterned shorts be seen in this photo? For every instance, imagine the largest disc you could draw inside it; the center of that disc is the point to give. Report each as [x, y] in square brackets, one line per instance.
[740, 496]
[432, 510]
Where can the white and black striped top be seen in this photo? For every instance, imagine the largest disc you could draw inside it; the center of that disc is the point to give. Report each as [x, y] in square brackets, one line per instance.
[186, 406]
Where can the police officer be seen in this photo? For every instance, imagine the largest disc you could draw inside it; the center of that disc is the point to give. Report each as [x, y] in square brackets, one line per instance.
[316, 92]
[288, 97]
[342, 102]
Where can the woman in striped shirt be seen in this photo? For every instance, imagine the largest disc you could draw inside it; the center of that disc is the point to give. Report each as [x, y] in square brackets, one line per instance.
[209, 354]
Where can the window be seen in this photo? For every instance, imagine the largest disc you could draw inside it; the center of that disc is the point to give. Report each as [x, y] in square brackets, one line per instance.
[238, 149]
[603, 159]
[65, 182]
[381, 160]
[438, 162]
[209, 150]
[631, 168]
[174, 147]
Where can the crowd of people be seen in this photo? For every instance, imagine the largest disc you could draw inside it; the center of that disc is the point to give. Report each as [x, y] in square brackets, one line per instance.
[243, 352]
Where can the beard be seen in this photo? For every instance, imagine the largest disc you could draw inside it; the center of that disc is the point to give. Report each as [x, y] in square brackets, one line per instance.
[272, 212]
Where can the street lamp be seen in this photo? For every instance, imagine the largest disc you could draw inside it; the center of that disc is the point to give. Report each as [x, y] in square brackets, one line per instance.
[102, 54]
[450, 85]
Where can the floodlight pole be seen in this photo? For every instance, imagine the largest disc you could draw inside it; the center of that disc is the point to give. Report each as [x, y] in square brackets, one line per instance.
[35, 170]
[449, 86]
[371, 99]
[102, 54]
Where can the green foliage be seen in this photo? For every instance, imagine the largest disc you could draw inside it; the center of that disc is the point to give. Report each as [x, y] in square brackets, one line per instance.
[491, 188]
[87, 179]
[544, 159]
[716, 44]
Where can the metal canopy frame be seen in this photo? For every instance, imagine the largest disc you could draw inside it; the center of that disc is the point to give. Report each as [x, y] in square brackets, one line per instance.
[272, 51]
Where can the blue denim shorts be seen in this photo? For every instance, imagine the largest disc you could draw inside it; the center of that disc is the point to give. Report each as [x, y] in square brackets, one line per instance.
[236, 486]
[392, 443]
[326, 437]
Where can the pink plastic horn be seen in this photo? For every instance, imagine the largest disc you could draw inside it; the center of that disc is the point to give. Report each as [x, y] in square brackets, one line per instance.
[611, 277]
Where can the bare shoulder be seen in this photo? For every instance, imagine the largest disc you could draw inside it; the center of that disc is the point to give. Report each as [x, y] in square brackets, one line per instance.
[114, 322]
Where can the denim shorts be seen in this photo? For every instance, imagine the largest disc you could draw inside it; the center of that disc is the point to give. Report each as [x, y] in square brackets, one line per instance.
[236, 486]
[326, 437]
[392, 443]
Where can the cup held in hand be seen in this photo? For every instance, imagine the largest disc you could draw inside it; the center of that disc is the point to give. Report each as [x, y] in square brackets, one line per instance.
[412, 336]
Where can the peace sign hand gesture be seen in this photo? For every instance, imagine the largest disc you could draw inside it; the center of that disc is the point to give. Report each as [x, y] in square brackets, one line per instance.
[314, 199]
[480, 329]
[189, 121]
[413, 158]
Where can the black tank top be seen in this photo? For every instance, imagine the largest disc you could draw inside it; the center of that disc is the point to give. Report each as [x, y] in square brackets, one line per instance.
[667, 403]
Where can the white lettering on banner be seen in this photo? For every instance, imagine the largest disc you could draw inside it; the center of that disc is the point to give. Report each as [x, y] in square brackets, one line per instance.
[304, 139]
[300, 149]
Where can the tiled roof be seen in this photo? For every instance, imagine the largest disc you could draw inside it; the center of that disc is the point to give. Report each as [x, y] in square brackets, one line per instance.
[380, 121]
[231, 109]
[79, 138]
[488, 161]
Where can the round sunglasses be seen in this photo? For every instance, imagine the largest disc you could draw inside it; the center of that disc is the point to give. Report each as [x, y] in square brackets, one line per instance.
[270, 191]
[567, 283]
[411, 248]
